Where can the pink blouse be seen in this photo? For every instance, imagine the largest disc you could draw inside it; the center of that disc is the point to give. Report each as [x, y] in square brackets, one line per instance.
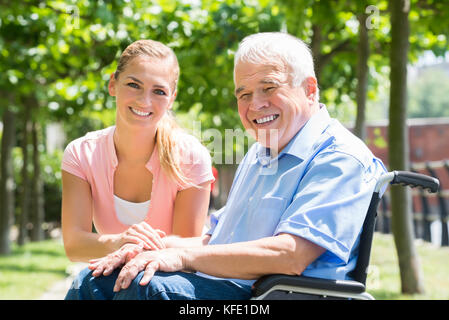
[93, 159]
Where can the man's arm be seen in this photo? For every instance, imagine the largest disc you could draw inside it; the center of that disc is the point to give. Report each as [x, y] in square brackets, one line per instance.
[285, 254]
[178, 242]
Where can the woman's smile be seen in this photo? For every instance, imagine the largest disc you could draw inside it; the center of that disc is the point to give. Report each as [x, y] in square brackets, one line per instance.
[140, 113]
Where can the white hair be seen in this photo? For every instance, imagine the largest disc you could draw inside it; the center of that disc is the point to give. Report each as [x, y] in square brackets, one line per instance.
[279, 49]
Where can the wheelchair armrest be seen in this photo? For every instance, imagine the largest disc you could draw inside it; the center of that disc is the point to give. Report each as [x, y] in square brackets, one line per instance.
[266, 282]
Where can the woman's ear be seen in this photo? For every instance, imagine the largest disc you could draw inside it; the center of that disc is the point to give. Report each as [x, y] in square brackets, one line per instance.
[111, 85]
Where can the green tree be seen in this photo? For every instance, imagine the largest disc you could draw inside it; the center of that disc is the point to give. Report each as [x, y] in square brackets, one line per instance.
[7, 181]
[401, 222]
[56, 58]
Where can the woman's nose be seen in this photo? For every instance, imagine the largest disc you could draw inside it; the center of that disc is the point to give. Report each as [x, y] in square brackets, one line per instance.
[144, 100]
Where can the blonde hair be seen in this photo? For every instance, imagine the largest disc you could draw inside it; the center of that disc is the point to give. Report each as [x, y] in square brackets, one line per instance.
[169, 153]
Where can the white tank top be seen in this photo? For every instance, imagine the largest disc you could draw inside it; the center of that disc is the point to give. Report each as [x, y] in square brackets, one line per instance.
[130, 213]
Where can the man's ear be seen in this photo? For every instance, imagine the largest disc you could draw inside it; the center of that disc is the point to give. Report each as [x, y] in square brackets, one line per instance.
[310, 85]
[111, 85]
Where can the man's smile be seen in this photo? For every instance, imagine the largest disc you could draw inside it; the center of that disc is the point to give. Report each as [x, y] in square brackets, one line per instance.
[266, 119]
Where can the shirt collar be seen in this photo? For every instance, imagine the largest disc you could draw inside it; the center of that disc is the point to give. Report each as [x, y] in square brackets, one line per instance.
[111, 148]
[301, 144]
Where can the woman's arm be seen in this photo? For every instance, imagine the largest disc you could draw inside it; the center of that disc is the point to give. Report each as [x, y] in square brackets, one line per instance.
[190, 210]
[80, 243]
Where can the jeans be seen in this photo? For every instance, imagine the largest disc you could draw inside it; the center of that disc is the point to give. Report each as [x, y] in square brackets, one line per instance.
[163, 286]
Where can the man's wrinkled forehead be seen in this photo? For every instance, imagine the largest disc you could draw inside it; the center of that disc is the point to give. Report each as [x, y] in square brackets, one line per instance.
[246, 73]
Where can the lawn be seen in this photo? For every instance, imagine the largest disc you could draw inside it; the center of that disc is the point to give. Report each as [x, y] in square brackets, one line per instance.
[32, 269]
[384, 281]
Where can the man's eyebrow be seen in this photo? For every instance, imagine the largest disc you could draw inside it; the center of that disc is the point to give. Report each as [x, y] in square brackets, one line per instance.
[239, 89]
[263, 81]
[269, 81]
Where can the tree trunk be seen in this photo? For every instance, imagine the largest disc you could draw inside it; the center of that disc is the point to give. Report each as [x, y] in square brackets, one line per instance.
[401, 221]
[315, 47]
[7, 181]
[25, 190]
[362, 76]
[37, 197]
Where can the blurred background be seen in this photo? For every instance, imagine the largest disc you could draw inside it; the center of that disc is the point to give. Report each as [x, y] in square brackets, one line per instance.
[56, 58]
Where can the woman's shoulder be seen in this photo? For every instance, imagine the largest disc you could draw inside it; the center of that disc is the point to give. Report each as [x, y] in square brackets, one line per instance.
[190, 147]
[91, 138]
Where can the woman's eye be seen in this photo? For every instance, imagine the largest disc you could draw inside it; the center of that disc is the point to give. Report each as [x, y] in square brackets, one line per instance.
[133, 85]
[160, 92]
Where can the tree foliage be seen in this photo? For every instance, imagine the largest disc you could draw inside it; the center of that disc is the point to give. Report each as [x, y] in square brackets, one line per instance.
[56, 58]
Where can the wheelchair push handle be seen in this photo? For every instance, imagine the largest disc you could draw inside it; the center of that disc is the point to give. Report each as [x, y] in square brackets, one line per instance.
[413, 179]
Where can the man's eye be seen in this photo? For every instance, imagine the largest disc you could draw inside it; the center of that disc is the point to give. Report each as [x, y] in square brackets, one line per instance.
[133, 85]
[244, 96]
[269, 89]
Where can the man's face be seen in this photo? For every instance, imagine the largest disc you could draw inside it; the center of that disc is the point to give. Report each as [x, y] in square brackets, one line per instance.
[268, 103]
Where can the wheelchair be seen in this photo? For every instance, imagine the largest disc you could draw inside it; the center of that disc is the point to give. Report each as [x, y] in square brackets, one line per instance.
[286, 287]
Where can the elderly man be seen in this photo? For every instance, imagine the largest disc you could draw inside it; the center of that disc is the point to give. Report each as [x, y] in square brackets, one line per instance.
[297, 202]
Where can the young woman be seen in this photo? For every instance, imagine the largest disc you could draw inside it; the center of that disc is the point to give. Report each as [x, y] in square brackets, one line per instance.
[141, 179]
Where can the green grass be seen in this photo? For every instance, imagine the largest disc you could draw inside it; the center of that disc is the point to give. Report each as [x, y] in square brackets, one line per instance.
[32, 269]
[384, 280]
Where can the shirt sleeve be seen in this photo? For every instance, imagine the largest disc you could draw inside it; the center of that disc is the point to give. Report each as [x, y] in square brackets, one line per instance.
[214, 217]
[330, 204]
[197, 164]
[71, 161]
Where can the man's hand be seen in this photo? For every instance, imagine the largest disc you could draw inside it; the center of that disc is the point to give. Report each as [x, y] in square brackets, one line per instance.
[167, 260]
[105, 266]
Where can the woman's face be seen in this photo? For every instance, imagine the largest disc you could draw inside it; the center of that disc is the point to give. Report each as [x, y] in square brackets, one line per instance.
[144, 91]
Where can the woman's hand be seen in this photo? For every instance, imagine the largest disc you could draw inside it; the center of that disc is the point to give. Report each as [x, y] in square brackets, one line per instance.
[142, 233]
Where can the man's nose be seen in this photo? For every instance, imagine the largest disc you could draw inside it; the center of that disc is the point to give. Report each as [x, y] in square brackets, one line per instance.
[259, 101]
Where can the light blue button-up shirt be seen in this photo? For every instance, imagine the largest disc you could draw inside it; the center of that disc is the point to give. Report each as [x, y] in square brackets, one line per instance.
[318, 188]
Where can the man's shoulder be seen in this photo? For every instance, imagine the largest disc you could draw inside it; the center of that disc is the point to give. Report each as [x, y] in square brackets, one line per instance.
[341, 140]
